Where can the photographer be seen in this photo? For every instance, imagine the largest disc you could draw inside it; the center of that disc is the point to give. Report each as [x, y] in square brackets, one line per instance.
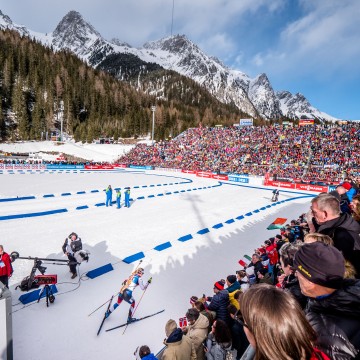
[72, 245]
[5, 267]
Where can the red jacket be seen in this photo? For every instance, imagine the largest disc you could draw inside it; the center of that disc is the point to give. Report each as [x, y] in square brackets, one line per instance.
[319, 354]
[272, 254]
[5, 267]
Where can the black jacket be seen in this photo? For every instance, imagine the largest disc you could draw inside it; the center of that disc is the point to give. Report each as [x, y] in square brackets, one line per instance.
[345, 231]
[336, 320]
[291, 285]
[219, 304]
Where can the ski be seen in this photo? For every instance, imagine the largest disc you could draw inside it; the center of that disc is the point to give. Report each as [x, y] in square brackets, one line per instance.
[103, 320]
[136, 320]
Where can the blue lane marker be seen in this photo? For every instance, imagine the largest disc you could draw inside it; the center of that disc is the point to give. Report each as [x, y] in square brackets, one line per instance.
[218, 226]
[18, 198]
[160, 194]
[203, 231]
[81, 192]
[43, 213]
[185, 238]
[256, 211]
[65, 194]
[263, 208]
[240, 217]
[248, 214]
[163, 246]
[141, 197]
[94, 191]
[100, 204]
[82, 207]
[135, 257]
[48, 195]
[230, 221]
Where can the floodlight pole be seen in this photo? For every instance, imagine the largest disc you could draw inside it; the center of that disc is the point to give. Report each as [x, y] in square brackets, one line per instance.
[153, 108]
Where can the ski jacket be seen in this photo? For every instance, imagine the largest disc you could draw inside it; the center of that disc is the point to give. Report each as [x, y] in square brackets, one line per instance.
[291, 285]
[216, 351]
[232, 290]
[108, 192]
[336, 320]
[72, 246]
[149, 357]
[272, 254]
[345, 232]
[197, 333]
[178, 347]
[219, 304]
[5, 265]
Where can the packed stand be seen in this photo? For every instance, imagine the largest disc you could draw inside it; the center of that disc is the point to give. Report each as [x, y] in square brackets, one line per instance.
[296, 297]
[325, 151]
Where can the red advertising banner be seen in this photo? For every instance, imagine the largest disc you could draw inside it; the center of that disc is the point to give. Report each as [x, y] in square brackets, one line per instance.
[281, 184]
[204, 174]
[308, 187]
[188, 171]
[220, 177]
[306, 122]
[98, 167]
[119, 166]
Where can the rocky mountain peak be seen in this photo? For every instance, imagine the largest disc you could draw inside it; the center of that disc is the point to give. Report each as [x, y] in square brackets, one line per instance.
[74, 33]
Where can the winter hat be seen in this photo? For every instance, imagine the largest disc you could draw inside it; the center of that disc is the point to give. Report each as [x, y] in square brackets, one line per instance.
[193, 300]
[321, 264]
[267, 242]
[231, 279]
[220, 284]
[278, 237]
[170, 327]
[346, 185]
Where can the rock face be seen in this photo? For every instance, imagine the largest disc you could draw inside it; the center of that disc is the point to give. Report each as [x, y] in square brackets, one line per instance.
[255, 97]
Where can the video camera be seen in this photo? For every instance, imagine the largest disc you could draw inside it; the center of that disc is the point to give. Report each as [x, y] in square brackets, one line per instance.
[34, 281]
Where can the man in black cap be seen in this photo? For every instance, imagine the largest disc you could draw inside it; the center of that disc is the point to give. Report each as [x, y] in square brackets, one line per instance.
[333, 308]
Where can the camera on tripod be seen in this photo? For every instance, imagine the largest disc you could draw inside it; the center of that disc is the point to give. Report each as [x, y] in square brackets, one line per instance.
[34, 281]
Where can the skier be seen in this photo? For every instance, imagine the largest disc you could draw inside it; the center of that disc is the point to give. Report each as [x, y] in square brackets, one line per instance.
[275, 196]
[118, 198]
[127, 197]
[126, 291]
[108, 192]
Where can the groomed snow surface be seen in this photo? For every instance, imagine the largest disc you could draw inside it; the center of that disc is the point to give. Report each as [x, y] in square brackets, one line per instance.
[64, 330]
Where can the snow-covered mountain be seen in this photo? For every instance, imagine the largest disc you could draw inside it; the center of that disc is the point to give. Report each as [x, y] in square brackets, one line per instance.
[255, 97]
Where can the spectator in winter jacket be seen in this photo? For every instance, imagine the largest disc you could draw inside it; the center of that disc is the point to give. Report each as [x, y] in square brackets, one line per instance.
[196, 330]
[350, 190]
[239, 339]
[232, 287]
[178, 346]
[108, 193]
[288, 281]
[342, 228]
[144, 353]
[333, 307]
[256, 262]
[220, 301]
[5, 267]
[199, 305]
[275, 325]
[218, 342]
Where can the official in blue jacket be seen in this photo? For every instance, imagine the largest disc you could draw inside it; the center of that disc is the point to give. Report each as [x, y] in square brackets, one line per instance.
[118, 198]
[127, 197]
[108, 193]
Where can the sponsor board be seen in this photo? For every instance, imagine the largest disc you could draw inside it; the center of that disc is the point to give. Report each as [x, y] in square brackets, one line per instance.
[204, 174]
[59, 167]
[235, 178]
[188, 171]
[220, 177]
[140, 167]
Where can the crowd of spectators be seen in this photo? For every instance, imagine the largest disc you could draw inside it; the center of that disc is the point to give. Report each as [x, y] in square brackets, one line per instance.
[319, 152]
[298, 298]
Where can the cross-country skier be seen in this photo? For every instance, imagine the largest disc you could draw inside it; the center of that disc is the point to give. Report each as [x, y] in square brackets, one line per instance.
[127, 197]
[275, 196]
[127, 290]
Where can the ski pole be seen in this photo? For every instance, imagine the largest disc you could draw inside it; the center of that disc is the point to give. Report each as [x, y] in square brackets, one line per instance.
[102, 305]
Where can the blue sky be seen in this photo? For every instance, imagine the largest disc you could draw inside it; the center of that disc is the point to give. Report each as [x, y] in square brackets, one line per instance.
[306, 46]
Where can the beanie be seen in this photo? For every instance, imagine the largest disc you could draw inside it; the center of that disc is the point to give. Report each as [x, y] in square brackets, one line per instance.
[170, 327]
[219, 284]
[193, 300]
[231, 279]
[321, 264]
[346, 185]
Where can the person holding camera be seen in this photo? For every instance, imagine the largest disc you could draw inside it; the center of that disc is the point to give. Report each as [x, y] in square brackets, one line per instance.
[71, 246]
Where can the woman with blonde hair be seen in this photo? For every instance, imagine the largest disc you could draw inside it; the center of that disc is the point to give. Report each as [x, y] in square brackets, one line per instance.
[276, 327]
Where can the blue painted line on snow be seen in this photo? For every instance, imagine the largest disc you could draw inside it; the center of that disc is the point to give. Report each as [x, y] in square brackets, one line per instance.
[163, 246]
[218, 226]
[230, 221]
[18, 198]
[43, 213]
[82, 207]
[66, 194]
[135, 257]
[185, 238]
[203, 231]
[48, 196]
